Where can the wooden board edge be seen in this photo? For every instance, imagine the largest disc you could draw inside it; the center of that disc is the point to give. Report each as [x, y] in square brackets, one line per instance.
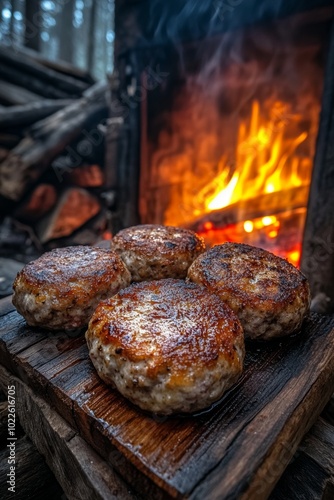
[278, 458]
[79, 470]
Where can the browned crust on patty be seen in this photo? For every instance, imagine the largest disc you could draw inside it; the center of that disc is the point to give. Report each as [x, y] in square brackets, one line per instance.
[70, 270]
[62, 287]
[171, 324]
[152, 238]
[251, 279]
[152, 251]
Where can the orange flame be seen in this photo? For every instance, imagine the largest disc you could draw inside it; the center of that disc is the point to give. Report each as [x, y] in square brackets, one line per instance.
[266, 162]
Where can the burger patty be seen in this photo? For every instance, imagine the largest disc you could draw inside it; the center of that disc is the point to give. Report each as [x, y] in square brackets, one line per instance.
[270, 296]
[62, 288]
[168, 346]
[155, 252]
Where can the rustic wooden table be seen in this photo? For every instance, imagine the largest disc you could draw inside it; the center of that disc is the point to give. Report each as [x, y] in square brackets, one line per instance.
[83, 474]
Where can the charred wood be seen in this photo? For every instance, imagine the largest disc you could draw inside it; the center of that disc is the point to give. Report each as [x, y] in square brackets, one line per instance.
[274, 203]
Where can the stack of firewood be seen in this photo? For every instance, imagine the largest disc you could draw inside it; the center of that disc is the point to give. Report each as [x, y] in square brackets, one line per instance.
[52, 126]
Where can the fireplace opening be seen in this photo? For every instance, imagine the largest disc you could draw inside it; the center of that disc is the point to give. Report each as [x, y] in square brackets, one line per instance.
[229, 136]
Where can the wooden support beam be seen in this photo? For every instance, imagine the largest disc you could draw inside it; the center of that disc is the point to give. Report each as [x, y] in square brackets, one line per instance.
[318, 245]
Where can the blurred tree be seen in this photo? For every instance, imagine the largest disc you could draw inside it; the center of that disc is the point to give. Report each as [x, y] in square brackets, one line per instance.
[78, 31]
[32, 24]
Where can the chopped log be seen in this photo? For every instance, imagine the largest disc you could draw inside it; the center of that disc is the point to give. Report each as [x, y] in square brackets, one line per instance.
[87, 176]
[272, 203]
[13, 95]
[40, 202]
[9, 141]
[3, 153]
[72, 86]
[43, 128]
[31, 82]
[35, 153]
[75, 207]
[59, 66]
[88, 234]
[26, 114]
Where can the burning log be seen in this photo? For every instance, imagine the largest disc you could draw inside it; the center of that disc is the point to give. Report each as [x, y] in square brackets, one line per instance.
[18, 116]
[273, 203]
[47, 140]
[28, 66]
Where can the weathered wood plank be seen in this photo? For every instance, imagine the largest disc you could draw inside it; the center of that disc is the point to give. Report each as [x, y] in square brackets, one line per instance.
[6, 306]
[32, 476]
[318, 242]
[79, 470]
[224, 453]
[319, 445]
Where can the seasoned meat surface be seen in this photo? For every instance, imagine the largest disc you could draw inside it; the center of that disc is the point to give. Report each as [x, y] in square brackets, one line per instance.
[167, 345]
[62, 288]
[270, 296]
[155, 252]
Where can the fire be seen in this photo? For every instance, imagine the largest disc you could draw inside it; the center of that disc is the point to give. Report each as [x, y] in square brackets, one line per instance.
[231, 156]
[265, 176]
[266, 161]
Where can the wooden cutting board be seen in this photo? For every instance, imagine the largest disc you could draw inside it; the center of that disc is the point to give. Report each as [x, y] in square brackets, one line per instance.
[238, 449]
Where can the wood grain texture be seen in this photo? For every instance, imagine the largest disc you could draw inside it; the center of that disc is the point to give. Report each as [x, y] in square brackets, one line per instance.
[34, 479]
[79, 470]
[238, 449]
[317, 261]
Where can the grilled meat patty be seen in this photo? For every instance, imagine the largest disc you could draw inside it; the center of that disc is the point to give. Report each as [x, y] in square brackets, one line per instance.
[167, 345]
[155, 252]
[62, 288]
[270, 296]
